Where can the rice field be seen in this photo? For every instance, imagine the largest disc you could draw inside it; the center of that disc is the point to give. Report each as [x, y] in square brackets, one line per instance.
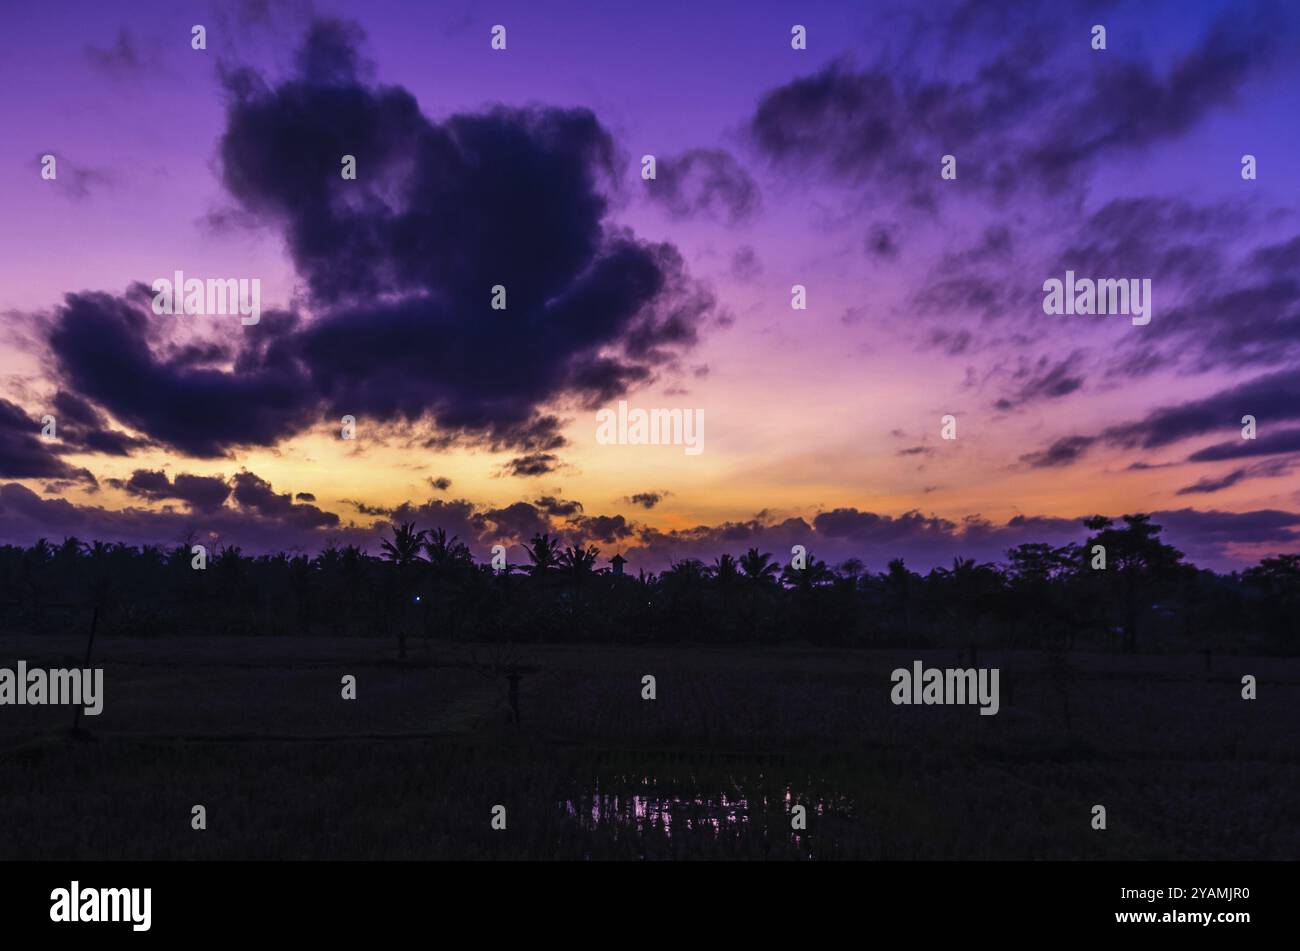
[257, 731]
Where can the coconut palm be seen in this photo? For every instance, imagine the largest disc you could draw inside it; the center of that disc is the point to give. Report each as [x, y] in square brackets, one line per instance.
[446, 554]
[725, 570]
[404, 548]
[759, 567]
[404, 552]
[544, 553]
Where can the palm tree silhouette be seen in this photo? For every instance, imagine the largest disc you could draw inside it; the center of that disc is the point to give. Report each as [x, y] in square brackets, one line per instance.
[899, 581]
[544, 553]
[404, 552]
[579, 565]
[805, 579]
[759, 567]
[446, 554]
[404, 549]
[725, 570]
[1039, 592]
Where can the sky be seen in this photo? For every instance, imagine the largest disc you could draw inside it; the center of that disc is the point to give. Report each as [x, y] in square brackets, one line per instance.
[775, 166]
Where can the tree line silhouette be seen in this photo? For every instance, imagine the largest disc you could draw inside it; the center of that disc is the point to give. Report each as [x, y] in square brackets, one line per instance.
[426, 585]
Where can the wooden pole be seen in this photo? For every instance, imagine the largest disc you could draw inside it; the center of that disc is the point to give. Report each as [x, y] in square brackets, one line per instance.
[90, 645]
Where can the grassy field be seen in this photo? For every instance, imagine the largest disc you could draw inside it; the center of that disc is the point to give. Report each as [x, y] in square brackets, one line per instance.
[255, 729]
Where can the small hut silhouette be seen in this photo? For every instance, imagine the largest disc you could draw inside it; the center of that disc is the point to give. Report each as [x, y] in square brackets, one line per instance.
[618, 561]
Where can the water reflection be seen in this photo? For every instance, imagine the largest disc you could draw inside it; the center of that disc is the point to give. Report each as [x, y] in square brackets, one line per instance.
[645, 803]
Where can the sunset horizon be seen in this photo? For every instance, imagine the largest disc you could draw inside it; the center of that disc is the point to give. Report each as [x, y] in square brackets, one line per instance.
[924, 296]
[511, 439]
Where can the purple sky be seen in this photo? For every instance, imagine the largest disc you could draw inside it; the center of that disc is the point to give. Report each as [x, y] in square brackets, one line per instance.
[776, 167]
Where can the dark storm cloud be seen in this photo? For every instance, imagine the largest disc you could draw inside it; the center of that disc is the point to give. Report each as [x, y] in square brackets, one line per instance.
[519, 521]
[704, 183]
[102, 351]
[457, 517]
[205, 493]
[557, 507]
[532, 464]
[25, 454]
[441, 213]
[605, 529]
[202, 493]
[249, 491]
[147, 484]
[365, 508]
[536, 434]
[400, 265]
[82, 428]
[263, 520]
[265, 526]
[255, 494]
[849, 523]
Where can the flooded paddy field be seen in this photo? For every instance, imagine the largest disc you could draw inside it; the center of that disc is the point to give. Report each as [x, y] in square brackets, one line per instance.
[258, 732]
